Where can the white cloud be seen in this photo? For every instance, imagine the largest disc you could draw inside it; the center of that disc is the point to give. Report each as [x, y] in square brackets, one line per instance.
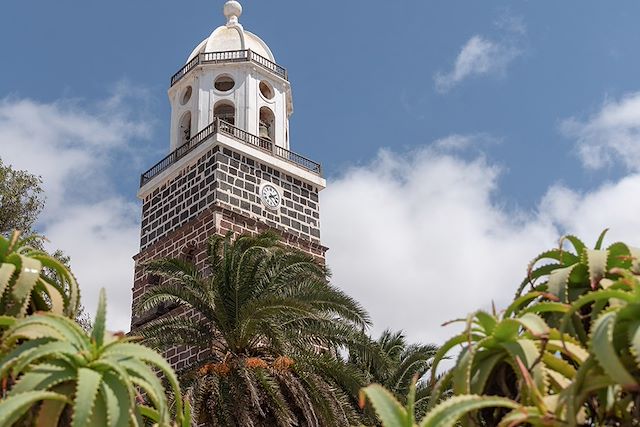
[462, 142]
[422, 238]
[610, 135]
[483, 56]
[479, 56]
[78, 149]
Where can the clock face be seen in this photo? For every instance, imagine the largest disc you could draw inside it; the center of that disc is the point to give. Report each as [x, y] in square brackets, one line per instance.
[270, 196]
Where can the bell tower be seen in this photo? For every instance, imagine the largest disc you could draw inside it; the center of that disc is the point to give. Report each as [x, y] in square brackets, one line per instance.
[241, 84]
[230, 166]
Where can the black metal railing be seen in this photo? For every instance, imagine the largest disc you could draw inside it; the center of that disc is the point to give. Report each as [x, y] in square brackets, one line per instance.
[228, 57]
[299, 160]
[236, 133]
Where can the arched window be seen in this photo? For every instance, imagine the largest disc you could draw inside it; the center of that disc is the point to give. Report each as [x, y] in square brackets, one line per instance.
[184, 133]
[267, 124]
[225, 111]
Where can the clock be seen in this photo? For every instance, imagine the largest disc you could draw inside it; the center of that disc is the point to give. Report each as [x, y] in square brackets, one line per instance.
[270, 196]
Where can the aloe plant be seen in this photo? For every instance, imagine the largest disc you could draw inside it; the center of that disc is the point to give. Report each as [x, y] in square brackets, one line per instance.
[82, 379]
[567, 353]
[32, 280]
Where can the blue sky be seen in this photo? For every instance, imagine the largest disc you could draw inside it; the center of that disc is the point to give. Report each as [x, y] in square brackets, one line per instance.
[534, 104]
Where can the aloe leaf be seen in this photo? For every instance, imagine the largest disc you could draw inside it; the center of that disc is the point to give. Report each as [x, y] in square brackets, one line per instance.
[9, 359]
[119, 400]
[487, 321]
[524, 416]
[520, 301]
[86, 395]
[557, 364]
[604, 351]
[597, 264]
[527, 351]
[506, 330]
[570, 349]
[138, 351]
[578, 245]
[534, 324]
[47, 325]
[601, 239]
[462, 373]
[99, 415]
[14, 407]
[100, 322]
[603, 294]
[28, 276]
[557, 282]
[42, 351]
[149, 413]
[547, 307]
[6, 271]
[561, 382]
[56, 299]
[388, 409]
[142, 376]
[447, 413]
[443, 350]
[441, 387]
[619, 256]
[68, 282]
[42, 377]
[143, 353]
[485, 364]
[186, 418]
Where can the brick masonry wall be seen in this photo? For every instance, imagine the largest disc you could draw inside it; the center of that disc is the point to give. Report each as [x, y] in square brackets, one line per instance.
[225, 178]
[191, 238]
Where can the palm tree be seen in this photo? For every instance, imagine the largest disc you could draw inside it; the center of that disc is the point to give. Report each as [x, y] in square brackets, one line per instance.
[273, 327]
[404, 363]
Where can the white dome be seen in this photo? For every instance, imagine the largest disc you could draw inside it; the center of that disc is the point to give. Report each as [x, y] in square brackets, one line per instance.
[224, 38]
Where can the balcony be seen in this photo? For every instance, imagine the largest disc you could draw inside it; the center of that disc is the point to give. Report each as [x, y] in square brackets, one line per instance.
[229, 57]
[225, 128]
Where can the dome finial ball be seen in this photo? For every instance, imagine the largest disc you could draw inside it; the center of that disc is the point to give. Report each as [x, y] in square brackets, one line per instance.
[232, 9]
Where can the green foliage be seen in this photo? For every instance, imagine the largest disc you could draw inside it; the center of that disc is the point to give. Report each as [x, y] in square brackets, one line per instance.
[272, 326]
[31, 280]
[401, 363]
[81, 379]
[565, 354]
[21, 199]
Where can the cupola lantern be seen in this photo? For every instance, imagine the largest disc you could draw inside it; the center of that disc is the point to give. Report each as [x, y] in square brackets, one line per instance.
[237, 80]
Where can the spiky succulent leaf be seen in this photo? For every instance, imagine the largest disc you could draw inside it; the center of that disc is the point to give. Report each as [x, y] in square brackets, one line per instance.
[447, 413]
[14, 407]
[100, 322]
[388, 409]
[605, 352]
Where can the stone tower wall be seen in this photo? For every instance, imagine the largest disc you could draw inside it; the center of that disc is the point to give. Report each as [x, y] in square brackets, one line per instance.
[225, 178]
